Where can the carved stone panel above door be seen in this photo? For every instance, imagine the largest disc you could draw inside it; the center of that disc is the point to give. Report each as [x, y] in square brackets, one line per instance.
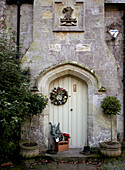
[68, 17]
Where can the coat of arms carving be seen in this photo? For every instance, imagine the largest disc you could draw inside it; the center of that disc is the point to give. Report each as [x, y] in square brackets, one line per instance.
[68, 20]
[68, 16]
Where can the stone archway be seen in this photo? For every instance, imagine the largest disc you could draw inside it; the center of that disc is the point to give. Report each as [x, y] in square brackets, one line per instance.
[74, 70]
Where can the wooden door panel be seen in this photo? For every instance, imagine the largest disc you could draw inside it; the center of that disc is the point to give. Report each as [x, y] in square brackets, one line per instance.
[73, 114]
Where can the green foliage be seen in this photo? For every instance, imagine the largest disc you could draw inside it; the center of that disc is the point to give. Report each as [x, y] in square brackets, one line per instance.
[35, 104]
[111, 105]
[12, 93]
[16, 100]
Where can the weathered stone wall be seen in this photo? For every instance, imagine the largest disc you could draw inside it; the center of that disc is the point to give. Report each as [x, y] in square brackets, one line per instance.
[26, 23]
[87, 49]
[2, 7]
[114, 20]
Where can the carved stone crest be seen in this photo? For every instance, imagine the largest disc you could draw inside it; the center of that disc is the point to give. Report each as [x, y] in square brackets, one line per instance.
[68, 16]
[68, 20]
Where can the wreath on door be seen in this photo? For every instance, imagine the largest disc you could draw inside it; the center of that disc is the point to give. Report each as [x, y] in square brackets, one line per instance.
[58, 96]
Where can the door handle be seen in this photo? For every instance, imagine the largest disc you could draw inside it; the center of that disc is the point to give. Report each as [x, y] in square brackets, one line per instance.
[71, 109]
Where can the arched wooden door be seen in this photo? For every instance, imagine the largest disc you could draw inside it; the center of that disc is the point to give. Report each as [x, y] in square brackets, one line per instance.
[73, 114]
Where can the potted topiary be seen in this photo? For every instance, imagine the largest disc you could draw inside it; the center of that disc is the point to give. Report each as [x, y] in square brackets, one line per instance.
[111, 106]
[35, 105]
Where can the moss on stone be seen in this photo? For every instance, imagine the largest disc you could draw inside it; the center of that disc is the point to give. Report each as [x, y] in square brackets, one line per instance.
[72, 63]
[23, 59]
[32, 47]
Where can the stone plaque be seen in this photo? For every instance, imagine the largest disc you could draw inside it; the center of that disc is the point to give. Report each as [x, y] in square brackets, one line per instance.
[83, 47]
[68, 18]
[55, 47]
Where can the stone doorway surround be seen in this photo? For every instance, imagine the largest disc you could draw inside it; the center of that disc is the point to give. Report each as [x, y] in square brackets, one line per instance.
[83, 73]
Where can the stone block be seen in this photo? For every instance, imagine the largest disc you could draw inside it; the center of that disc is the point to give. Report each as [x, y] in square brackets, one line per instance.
[46, 14]
[63, 35]
[83, 47]
[55, 47]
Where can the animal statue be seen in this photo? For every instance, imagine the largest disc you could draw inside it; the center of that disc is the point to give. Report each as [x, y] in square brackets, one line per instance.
[68, 12]
[55, 131]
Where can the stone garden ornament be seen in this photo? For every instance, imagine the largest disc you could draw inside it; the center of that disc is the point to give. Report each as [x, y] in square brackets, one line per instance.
[55, 135]
[55, 132]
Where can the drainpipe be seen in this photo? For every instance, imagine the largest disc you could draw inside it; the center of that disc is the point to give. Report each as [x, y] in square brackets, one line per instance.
[18, 27]
[124, 75]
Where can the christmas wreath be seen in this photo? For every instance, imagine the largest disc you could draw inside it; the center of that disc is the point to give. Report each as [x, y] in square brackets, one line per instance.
[58, 96]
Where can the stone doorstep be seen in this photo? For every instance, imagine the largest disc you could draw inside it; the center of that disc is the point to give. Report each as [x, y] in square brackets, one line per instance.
[70, 155]
[71, 159]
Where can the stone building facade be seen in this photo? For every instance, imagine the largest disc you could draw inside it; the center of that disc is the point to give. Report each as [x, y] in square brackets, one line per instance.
[73, 48]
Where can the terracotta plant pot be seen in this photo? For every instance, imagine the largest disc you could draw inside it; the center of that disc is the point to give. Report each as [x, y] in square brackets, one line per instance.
[29, 151]
[110, 149]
